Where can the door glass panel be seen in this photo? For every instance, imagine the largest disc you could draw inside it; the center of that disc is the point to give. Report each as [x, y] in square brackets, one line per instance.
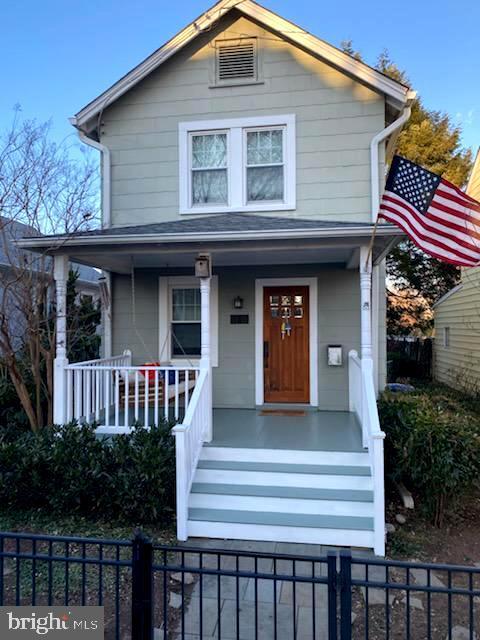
[274, 300]
[298, 312]
[286, 300]
[297, 300]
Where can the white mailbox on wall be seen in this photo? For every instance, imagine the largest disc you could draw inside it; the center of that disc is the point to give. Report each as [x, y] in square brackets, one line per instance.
[335, 357]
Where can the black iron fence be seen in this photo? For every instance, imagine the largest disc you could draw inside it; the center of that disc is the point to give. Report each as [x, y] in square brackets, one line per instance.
[154, 591]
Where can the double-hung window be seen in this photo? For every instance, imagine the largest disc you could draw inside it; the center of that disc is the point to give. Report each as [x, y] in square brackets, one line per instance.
[186, 321]
[244, 164]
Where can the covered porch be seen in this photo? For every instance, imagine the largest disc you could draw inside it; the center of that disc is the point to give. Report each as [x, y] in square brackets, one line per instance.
[215, 389]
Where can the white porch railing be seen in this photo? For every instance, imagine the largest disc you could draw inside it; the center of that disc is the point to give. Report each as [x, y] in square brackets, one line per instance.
[363, 404]
[117, 395]
[189, 439]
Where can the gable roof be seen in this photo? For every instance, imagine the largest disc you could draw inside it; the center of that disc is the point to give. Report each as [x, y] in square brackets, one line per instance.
[396, 93]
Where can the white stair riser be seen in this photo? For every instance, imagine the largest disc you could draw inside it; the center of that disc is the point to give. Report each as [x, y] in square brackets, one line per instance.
[281, 505]
[284, 456]
[277, 533]
[271, 479]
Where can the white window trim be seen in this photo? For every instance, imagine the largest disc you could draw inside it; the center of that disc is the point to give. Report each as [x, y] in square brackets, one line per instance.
[446, 337]
[236, 171]
[312, 284]
[165, 284]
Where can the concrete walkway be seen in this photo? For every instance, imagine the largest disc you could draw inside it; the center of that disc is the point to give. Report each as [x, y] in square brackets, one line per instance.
[300, 611]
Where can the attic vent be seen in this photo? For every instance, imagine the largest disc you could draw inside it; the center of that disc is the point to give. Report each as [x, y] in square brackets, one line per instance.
[236, 61]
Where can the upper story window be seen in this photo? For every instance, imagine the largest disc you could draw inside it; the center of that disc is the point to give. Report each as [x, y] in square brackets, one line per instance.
[209, 168]
[237, 165]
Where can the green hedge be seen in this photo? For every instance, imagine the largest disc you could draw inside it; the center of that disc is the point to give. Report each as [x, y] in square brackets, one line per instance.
[432, 444]
[69, 470]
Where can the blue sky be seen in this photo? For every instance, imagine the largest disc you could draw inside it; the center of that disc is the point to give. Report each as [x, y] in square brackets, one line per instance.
[56, 55]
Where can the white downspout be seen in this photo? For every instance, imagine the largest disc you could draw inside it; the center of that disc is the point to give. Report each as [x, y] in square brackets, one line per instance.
[106, 176]
[374, 144]
[375, 191]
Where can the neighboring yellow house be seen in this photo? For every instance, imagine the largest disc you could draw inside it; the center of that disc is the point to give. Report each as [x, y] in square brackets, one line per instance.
[457, 322]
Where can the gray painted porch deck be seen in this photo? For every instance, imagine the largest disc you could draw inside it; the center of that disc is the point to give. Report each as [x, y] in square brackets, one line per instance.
[315, 431]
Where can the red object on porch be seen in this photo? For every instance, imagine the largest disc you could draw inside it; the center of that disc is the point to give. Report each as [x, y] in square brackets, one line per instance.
[150, 373]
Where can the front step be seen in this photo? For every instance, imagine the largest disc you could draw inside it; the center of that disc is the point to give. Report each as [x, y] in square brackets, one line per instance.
[278, 495]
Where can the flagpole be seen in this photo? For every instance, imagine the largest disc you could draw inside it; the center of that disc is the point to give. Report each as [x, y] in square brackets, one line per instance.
[372, 240]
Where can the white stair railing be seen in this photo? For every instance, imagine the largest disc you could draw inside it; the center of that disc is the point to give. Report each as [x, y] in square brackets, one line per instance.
[117, 396]
[189, 439]
[363, 403]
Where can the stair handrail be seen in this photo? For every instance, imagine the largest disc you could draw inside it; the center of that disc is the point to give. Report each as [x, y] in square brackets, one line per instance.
[363, 402]
[189, 438]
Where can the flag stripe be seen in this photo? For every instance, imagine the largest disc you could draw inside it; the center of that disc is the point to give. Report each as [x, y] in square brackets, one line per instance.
[460, 212]
[433, 238]
[427, 247]
[464, 197]
[437, 224]
[463, 226]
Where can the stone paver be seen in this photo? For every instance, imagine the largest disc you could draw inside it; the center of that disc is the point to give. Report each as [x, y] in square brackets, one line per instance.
[266, 590]
[421, 577]
[212, 585]
[462, 633]
[265, 615]
[295, 618]
[306, 625]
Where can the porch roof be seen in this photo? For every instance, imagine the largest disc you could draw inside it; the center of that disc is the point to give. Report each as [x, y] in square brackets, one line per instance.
[181, 240]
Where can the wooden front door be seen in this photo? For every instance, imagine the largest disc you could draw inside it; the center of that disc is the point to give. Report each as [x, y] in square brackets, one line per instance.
[286, 363]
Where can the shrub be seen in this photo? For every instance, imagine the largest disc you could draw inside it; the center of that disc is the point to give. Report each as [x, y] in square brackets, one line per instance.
[433, 444]
[69, 470]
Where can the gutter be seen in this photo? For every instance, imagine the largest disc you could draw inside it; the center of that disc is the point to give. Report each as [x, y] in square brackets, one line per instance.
[106, 177]
[149, 238]
[382, 135]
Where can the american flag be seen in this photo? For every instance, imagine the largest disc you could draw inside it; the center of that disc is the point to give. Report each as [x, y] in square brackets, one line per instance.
[439, 218]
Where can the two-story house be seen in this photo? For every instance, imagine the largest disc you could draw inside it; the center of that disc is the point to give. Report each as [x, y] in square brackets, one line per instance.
[241, 166]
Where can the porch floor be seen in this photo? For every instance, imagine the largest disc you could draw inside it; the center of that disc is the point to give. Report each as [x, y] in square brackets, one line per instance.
[314, 431]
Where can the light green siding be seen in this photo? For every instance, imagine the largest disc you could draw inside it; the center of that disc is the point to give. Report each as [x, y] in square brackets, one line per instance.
[135, 331]
[234, 379]
[458, 365]
[336, 119]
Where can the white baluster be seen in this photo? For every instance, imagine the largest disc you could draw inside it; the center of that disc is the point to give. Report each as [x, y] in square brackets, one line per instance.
[136, 396]
[166, 383]
[106, 378]
[156, 397]
[176, 393]
[147, 383]
[127, 396]
[117, 397]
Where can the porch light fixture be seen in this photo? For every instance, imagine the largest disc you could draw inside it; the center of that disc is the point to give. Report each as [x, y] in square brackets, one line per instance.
[238, 303]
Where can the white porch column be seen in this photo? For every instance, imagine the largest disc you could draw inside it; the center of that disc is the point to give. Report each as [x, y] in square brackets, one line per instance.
[107, 317]
[60, 274]
[205, 360]
[366, 303]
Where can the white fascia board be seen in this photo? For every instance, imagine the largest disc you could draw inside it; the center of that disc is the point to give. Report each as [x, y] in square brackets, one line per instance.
[396, 92]
[447, 295]
[164, 238]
